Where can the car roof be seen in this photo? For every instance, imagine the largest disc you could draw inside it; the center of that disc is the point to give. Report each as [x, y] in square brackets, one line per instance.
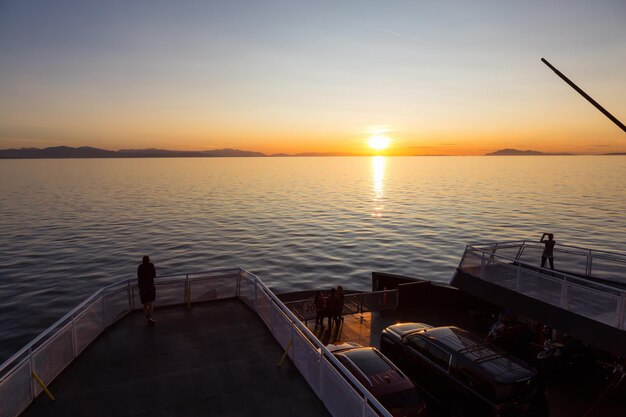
[377, 372]
[404, 329]
[473, 350]
[343, 346]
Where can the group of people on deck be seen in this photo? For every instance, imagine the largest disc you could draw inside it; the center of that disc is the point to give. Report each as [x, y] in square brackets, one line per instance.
[331, 306]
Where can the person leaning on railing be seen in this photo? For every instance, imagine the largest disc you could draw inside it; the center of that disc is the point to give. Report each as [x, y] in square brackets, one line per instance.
[339, 310]
[548, 250]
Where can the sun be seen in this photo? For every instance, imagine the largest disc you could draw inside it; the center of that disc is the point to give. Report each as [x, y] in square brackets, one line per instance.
[378, 142]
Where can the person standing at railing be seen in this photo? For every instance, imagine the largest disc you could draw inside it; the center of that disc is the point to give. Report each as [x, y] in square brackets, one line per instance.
[147, 292]
[548, 250]
[339, 311]
[332, 304]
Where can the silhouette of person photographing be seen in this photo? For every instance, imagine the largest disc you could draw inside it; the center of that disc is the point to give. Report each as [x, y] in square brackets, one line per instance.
[548, 250]
[145, 280]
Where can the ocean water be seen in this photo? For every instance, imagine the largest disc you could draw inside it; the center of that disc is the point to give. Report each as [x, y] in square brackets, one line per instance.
[69, 227]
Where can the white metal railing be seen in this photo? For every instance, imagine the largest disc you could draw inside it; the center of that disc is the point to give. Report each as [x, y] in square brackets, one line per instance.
[574, 259]
[55, 348]
[357, 303]
[502, 264]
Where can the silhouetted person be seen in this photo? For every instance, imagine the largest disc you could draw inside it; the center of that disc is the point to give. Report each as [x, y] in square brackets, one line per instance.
[332, 304]
[319, 308]
[548, 250]
[340, 297]
[145, 279]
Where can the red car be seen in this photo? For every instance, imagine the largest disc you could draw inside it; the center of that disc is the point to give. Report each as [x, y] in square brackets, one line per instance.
[383, 379]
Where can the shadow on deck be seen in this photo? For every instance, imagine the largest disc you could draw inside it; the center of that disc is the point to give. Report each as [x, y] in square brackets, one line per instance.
[216, 359]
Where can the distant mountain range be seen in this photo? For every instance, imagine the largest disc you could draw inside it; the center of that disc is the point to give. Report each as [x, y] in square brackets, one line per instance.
[89, 152]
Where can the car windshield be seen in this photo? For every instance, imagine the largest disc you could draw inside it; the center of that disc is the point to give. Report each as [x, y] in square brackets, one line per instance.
[401, 400]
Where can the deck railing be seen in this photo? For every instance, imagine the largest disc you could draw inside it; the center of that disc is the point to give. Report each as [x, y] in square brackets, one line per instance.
[54, 349]
[513, 265]
[572, 260]
[357, 303]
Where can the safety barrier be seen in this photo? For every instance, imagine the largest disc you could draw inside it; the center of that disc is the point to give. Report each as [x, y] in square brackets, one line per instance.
[26, 374]
[358, 303]
[573, 260]
[504, 264]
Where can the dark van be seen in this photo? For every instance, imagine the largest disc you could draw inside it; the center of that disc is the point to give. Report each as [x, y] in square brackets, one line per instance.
[463, 372]
[382, 378]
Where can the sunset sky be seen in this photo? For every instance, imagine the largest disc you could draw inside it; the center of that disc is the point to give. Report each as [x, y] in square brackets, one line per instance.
[436, 77]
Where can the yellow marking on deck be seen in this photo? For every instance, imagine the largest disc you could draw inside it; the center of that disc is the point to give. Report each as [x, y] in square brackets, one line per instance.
[286, 350]
[43, 386]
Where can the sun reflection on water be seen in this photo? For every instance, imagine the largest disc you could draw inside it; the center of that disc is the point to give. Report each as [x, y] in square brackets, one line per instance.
[378, 184]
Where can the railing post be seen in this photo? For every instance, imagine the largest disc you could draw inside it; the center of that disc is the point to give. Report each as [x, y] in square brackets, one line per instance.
[622, 312]
[364, 406]
[493, 253]
[518, 282]
[130, 296]
[103, 316]
[361, 303]
[256, 295]
[238, 286]
[272, 320]
[589, 263]
[322, 385]
[187, 292]
[482, 266]
[30, 372]
[74, 344]
[462, 258]
[564, 294]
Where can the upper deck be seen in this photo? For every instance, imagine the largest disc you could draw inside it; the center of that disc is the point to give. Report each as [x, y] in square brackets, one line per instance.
[585, 295]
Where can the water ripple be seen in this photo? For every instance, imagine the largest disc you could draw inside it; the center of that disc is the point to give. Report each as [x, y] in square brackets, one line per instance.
[71, 226]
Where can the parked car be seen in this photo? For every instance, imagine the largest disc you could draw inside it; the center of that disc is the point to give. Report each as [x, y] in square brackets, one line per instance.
[392, 388]
[462, 372]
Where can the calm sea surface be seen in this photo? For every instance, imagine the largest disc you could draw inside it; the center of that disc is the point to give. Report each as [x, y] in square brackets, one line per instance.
[68, 227]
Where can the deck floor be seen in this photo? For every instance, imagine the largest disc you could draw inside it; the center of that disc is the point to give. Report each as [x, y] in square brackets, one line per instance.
[217, 359]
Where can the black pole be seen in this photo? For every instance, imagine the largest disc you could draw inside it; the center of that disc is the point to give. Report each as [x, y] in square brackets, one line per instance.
[585, 95]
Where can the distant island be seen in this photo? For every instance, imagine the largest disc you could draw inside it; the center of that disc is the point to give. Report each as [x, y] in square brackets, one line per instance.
[89, 152]
[516, 152]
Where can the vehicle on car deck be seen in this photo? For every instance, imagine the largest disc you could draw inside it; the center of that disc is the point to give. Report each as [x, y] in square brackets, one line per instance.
[462, 372]
[382, 378]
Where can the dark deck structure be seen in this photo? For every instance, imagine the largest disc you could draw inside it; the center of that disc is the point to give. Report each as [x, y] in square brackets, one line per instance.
[216, 359]
[585, 297]
[586, 394]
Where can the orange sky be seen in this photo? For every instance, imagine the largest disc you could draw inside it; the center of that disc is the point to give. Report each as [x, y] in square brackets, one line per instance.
[435, 78]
